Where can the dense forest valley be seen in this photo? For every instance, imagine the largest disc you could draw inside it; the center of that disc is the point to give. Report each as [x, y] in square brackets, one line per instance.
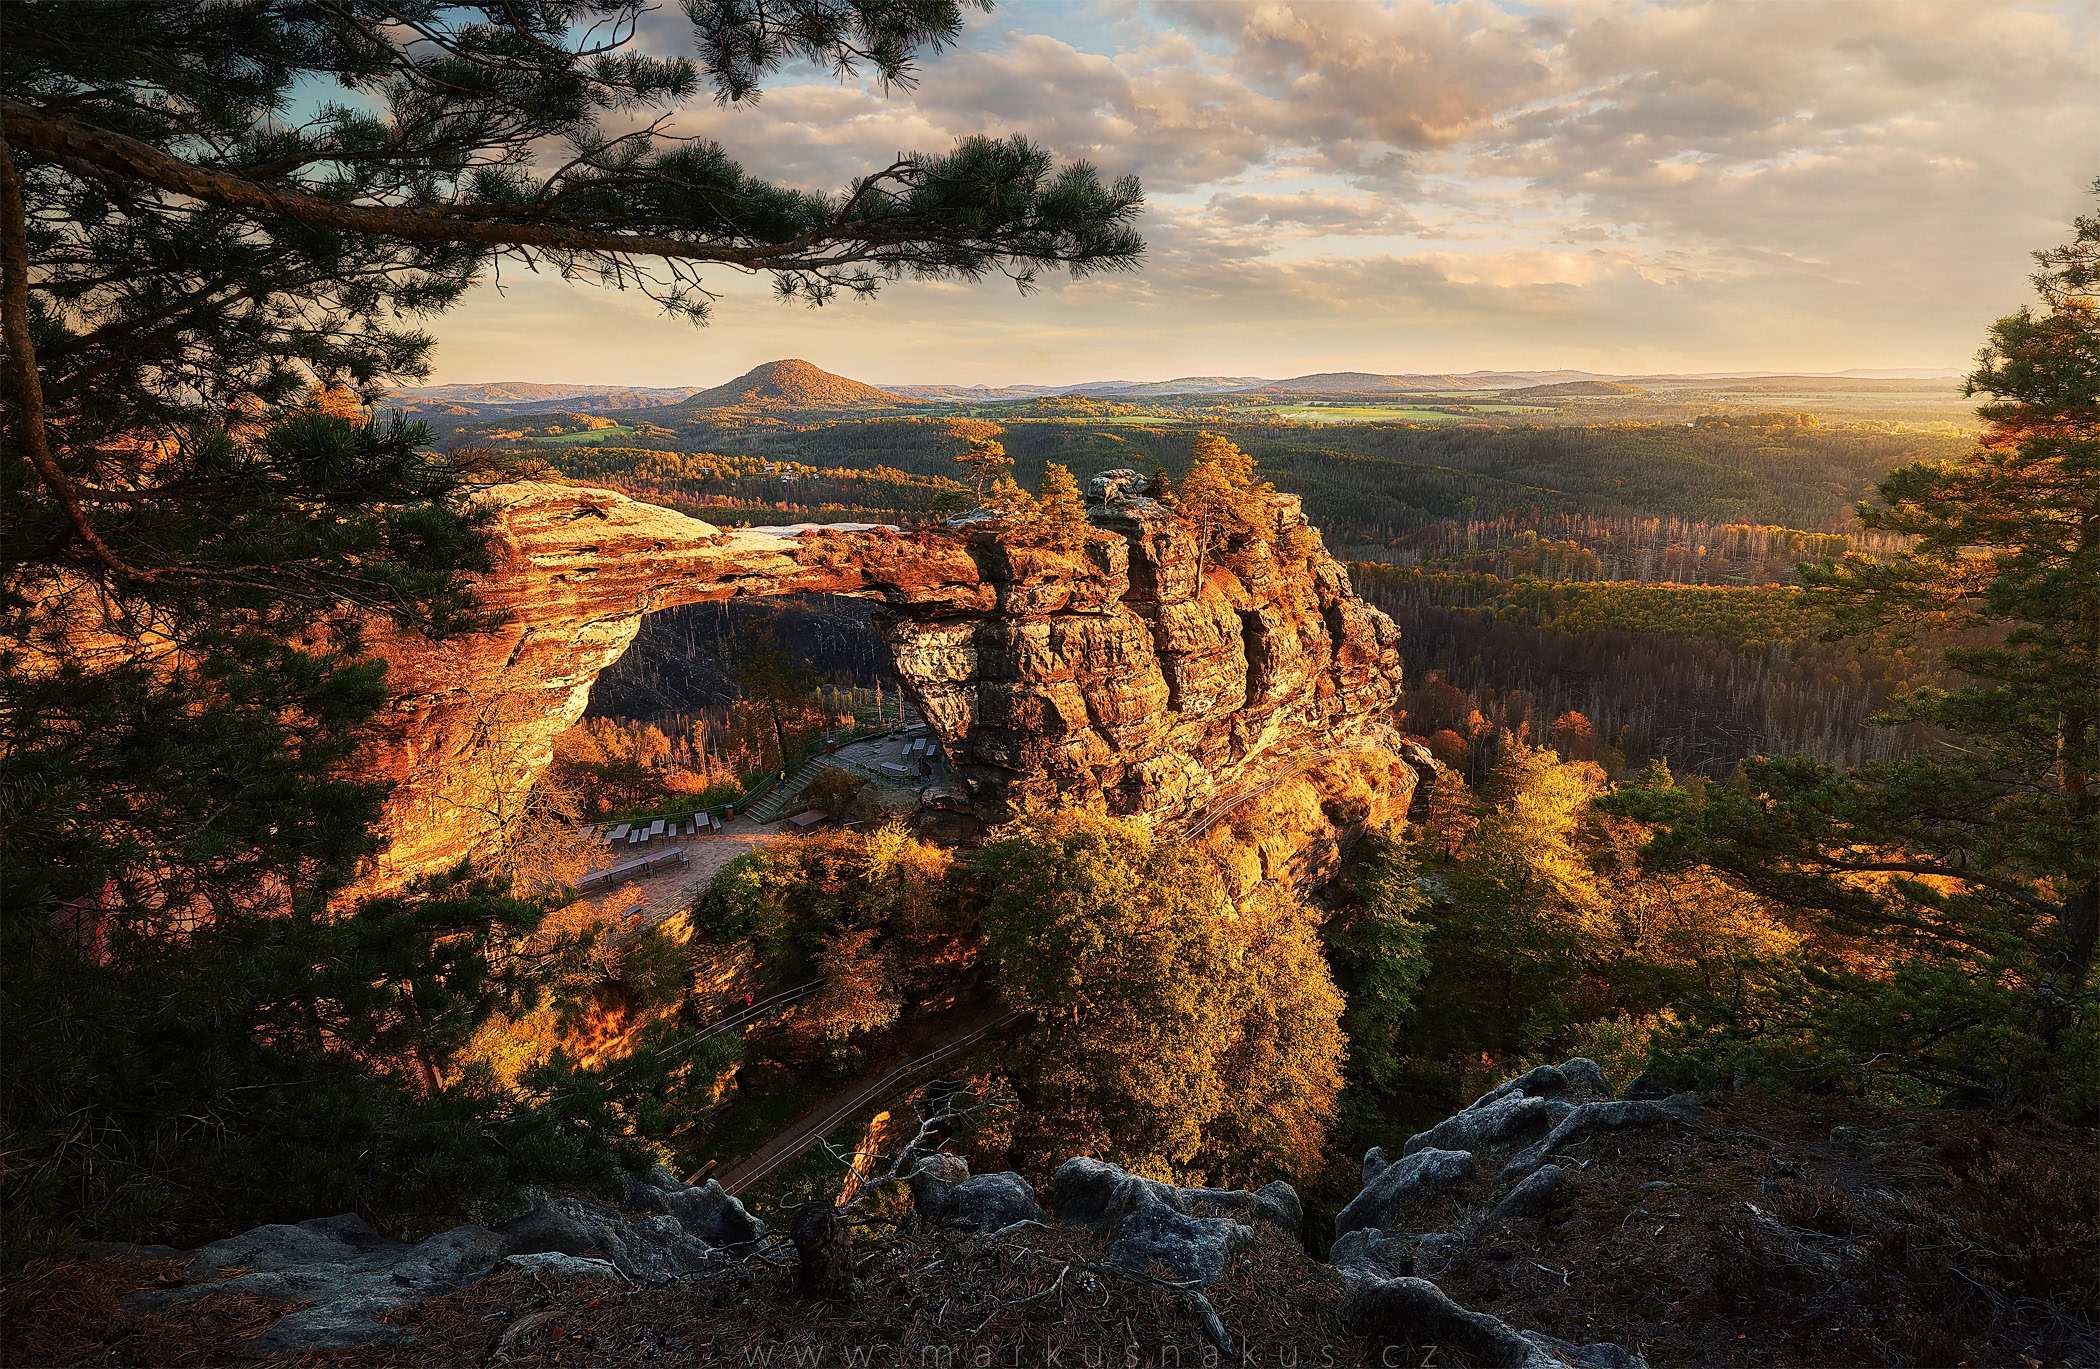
[1592, 594]
[1492, 870]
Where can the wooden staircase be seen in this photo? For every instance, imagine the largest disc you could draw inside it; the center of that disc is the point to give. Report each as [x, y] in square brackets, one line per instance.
[780, 799]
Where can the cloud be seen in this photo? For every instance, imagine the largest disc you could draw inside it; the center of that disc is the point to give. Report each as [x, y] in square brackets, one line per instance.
[1313, 213]
[1558, 181]
[1365, 83]
[1153, 111]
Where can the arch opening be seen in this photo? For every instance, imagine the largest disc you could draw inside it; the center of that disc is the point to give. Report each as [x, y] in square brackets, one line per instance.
[1113, 667]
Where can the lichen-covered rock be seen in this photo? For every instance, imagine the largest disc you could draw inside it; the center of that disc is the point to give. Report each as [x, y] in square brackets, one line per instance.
[1535, 1195]
[1411, 1311]
[1595, 1355]
[1095, 1193]
[1579, 1077]
[1275, 1202]
[1424, 1174]
[944, 1192]
[712, 1214]
[1511, 1117]
[1389, 1263]
[1110, 672]
[1189, 1234]
[319, 1240]
[342, 1277]
[706, 1211]
[558, 1265]
[648, 1192]
[1587, 1119]
[1154, 1238]
[1385, 1254]
[647, 1249]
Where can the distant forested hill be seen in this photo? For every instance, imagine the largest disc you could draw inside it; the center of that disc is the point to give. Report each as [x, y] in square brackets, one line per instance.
[1372, 488]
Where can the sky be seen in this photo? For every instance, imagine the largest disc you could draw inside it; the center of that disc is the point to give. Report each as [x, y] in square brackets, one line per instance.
[1622, 186]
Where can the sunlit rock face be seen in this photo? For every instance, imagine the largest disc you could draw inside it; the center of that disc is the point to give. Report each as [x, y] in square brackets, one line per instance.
[1128, 671]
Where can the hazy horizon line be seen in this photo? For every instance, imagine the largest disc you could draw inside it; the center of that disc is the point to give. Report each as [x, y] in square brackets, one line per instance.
[1922, 372]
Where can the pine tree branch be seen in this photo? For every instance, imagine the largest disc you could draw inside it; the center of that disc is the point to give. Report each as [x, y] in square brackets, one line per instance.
[2006, 887]
[29, 385]
[127, 159]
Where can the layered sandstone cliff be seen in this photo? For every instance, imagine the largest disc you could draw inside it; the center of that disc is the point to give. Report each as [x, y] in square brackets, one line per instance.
[1130, 670]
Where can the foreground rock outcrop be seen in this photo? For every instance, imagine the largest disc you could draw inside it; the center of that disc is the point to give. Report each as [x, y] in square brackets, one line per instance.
[344, 1278]
[1781, 1231]
[343, 1284]
[1129, 670]
[1485, 1164]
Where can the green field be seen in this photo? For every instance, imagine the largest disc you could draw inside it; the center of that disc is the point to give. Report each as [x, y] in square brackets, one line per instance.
[583, 438]
[1097, 420]
[1392, 413]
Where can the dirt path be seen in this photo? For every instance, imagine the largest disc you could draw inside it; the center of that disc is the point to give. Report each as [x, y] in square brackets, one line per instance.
[818, 1121]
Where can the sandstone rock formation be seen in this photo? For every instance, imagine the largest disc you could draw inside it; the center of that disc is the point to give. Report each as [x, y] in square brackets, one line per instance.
[1113, 671]
[943, 1191]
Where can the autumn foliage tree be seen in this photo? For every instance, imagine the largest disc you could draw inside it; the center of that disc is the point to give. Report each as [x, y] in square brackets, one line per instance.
[805, 903]
[1513, 924]
[1161, 1031]
[987, 484]
[1221, 494]
[984, 463]
[1061, 510]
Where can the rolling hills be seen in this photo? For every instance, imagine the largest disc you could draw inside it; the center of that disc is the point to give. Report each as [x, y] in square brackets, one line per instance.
[793, 383]
[520, 397]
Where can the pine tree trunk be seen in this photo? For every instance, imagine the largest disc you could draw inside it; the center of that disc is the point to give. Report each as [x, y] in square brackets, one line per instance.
[823, 1252]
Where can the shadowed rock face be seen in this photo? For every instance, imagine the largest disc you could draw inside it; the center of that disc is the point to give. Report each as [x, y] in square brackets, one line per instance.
[1115, 671]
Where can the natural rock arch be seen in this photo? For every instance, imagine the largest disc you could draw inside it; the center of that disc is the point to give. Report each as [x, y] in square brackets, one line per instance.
[1110, 672]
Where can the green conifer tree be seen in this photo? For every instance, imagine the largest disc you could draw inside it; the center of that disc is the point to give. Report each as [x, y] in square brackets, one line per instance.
[1063, 510]
[1221, 494]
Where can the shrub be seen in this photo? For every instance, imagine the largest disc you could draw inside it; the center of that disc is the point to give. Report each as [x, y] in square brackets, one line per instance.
[2032, 1215]
[833, 790]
